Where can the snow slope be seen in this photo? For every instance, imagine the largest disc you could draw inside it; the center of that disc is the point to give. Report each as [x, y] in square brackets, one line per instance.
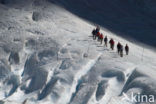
[47, 56]
[127, 18]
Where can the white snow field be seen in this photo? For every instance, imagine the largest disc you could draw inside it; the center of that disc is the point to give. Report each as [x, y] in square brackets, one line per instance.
[47, 56]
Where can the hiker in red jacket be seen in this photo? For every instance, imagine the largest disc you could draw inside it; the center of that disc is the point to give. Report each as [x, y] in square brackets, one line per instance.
[127, 49]
[101, 37]
[112, 44]
[98, 36]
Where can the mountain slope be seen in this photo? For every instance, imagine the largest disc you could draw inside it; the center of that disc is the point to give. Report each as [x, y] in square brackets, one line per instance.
[127, 18]
[47, 56]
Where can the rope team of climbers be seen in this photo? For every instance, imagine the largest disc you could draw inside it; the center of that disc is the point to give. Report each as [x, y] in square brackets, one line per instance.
[100, 37]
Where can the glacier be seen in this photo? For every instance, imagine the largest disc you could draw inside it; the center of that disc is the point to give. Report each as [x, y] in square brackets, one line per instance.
[48, 56]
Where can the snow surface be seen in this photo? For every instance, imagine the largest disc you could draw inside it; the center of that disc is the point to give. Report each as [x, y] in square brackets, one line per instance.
[47, 56]
[127, 18]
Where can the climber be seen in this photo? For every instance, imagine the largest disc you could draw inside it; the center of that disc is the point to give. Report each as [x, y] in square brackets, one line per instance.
[94, 34]
[127, 49]
[112, 44]
[97, 29]
[105, 41]
[118, 47]
[98, 36]
[101, 37]
[121, 51]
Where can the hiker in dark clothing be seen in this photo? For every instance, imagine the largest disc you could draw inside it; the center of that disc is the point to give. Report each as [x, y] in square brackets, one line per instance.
[127, 49]
[97, 29]
[118, 47]
[94, 34]
[97, 33]
[121, 51]
[105, 41]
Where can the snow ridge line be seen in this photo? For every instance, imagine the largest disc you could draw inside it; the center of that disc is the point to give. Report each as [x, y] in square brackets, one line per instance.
[81, 73]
